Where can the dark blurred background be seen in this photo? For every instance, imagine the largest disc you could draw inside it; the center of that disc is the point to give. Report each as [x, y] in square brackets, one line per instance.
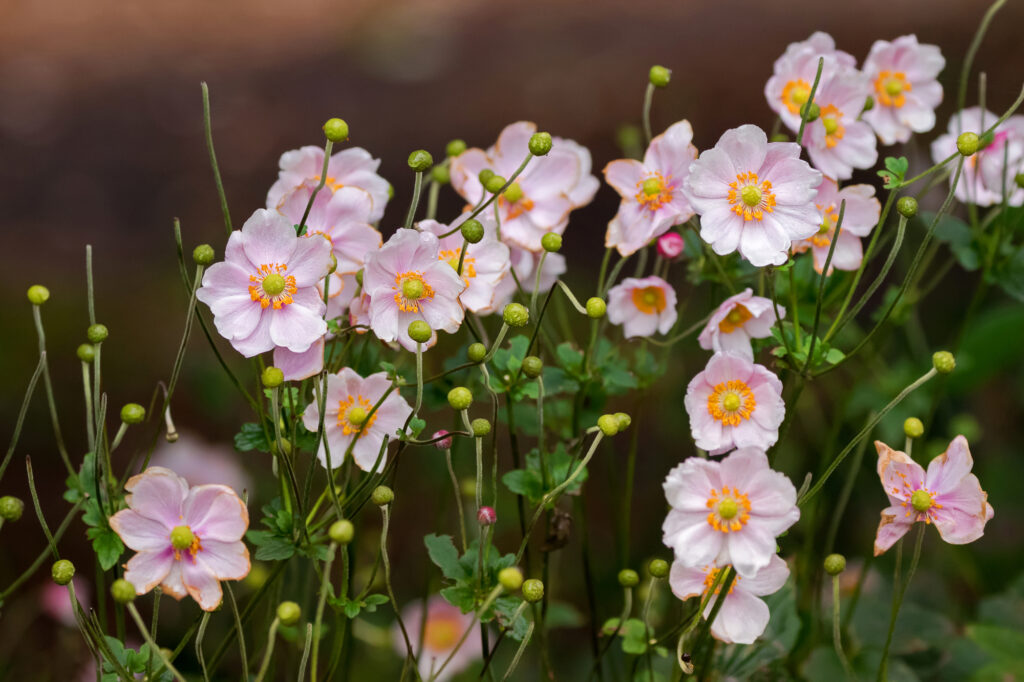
[101, 143]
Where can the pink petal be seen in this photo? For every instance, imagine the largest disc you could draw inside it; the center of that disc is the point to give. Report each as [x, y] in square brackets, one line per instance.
[146, 570]
[157, 493]
[225, 560]
[215, 512]
[140, 533]
[202, 585]
[894, 525]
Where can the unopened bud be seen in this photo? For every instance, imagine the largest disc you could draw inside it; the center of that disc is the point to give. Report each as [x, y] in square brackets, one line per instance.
[596, 307]
[288, 612]
[659, 76]
[835, 564]
[86, 352]
[533, 590]
[203, 255]
[967, 143]
[551, 242]
[532, 366]
[382, 496]
[671, 245]
[944, 362]
[460, 398]
[122, 591]
[96, 333]
[11, 508]
[608, 424]
[420, 160]
[628, 577]
[62, 572]
[342, 531]
[455, 147]
[486, 516]
[913, 427]
[445, 442]
[336, 130]
[472, 230]
[420, 331]
[658, 568]
[38, 294]
[540, 144]
[510, 578]
[272, 377]
[907, 207]
[476, 352]
[516, 315]
[481, 427]
[133, 413]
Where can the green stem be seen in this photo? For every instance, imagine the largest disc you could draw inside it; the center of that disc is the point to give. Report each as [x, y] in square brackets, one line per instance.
[238, 628]
[417, 188]
[268, 654]
[208, 132]
[21, 414]
[50, 400]
[806, 108]
[152, 644]
[837, 635]
[898, 592]
[200, 636]
[648, 99]
[317, 633]
[821, 285]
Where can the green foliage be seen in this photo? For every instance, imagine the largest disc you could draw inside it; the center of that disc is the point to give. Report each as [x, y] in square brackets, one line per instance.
[895, 172]
[134, 661]
[353, 607]
[529, 482]
[278, 542]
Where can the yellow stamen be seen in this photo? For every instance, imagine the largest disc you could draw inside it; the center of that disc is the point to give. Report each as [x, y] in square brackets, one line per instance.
[730, 509]
[649, 300]
[751, 198]
[654, 192]
[890, 87]
[731, 402]
[407, 283]
[270, 287]
[353, 413]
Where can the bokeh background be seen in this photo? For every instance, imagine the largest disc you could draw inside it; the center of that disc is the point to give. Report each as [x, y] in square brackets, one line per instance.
[101, 143]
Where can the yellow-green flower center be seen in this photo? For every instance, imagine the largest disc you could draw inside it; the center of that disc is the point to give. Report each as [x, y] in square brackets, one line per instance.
[514, 193]
[921, 500]
[731, 401]
[273, 284]
[799, 95]
[182, 537]
[831, 125]
[751, 195]
[735, 316]
[356, 416]
[728, 508]
[652, 186]
[893, 87]
[413, 289]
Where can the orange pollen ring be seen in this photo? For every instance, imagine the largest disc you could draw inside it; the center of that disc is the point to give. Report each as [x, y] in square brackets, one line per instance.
[451, 256]
[257, 293]
[712, 576]
[832, 114]
[795, 94]
[192, 550]
[406, 305]
[515, 208]
[649, 300]
[737, 317]
[889, 88]
[731, 391]
[347, 427]
[739, 206]
[733, 500]
[908, 492]
[654, 201]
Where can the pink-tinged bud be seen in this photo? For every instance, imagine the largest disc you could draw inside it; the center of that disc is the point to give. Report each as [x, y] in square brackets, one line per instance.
[486, 516]
[444, 443]
[671, 245]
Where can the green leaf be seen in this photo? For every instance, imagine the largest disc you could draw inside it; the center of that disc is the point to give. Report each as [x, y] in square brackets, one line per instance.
[270, 546]
[570, 359]
[415, 426]
[460, 596]
[251, 437]
[525, 482]
[1010, 275]
[445, 556]
[634, 637]
[1001, 643]
[834, 356]
[107, 545]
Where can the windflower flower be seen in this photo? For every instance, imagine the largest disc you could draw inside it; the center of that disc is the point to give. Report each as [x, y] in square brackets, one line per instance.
[793, 75]
[728, 512]
[264, 293]
[486, 263]
[736, 321]
[906, 90]
[996, 162]
[353, 167]
[540, 199]
[948, 495]
[753, 195]
[441, 632]
[651, 191]
[734, 403]
[859, 218]
[187, 539]
[643, 306]
[347, 416]
[743, 616]
[837, 141]
[408, 280]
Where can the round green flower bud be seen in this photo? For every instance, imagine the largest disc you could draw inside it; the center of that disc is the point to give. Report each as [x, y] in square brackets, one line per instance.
[540, 144]
[86, 352]
[96, 333]
[659, 76]
[342, 531]
[608, 424]
[628, 577]
[484, 175]
[907, 207]
[420, 331]
[460, 398]
[494, 183]
[658, 568]
[533, 590]
[272, 377]
[596, 307]
[869, 103]
[11, 508]
[455, 147]
[122, 591]
[203, 255]
[510, 578]
[38, 294]
[516, 315]
[1019, 179]
[779, 137]
[968, 143]
[532, 366]
[288, 612]
[472, 230]
[624, 420]
[913, 427]
[481, 427]
[476, 352]
[133, 413]
[420, 160]
[551, 242]
[382, 496]
[440, 174]
[835, 564]
[336, 130]
[812, 112]
[63, 571]
[944, 362]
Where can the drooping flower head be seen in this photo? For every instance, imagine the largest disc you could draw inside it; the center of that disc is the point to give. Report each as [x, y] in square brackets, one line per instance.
[264, 293]
[643, 306]
[734, 403]
[859, 218]
[838, 141]
[998, 159]
[728, 512]
[349, 415]
[484, 266]
[541, 197]
[753, 195]
[793, 75]
[353, 167]
[948, 495]
[651, 191]
[408, 280]
[903, 74]
[187, 540]
[441, 632]
[736, 321]
[743, 617]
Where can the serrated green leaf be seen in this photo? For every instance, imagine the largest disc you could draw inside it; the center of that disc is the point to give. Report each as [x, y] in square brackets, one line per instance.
[460, 596]
[107, 545]
[634, 637]
[251, 437]
[445, 556]
[269, 546]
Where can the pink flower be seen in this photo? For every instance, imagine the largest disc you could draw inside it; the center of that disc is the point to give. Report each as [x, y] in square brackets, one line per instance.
[906, 91]
[734, 403]
[948, 495]
[441, 633]
[790, 85]
[642, 306]
[264, 293]
[753, 195]
[524, 264]
[651, 191]
[353, 167]
[299, 366]
[543, 195]
[860, 217]
[743, 617]
[202, 463]
[671, 245]
[408, 280]
[736, 321]
[728, 512]
[838, 141]
[187, 540]
[347, 416]
[982, 178]
[484, 267]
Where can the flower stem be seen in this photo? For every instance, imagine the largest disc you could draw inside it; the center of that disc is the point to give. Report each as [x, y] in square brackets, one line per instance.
[821, 286]
[200, 635]
[241, 632]
[899, 590]
[153, 645]
[271, 638]
[417, 188]
[806, 108]
[316, 190]
[837, 635]
[324, 584]
[648, 99]
[21, 414]
[50, 400]
[208, 133]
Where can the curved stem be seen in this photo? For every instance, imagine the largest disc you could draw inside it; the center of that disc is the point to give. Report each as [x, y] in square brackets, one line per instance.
[271, 638]
[152, 644]
[837, 635]
[208, 134]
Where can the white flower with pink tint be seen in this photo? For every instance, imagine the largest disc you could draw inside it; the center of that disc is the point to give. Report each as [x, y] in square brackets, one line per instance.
[997, 160]
[353, 167]
[793, 75]
[651, 191]
[736, 321]
[524, 264]
[838, 141]
[264, 293]
[349, 416]
[187, 539]
[947, 495]
[643, 306]
[904, 76]
[485, 265]
[543, 194]
[728, 512]
[407, 280]
[859, 218]
[734, 403]
[743, 616]
[753, 196]
[298, 366]
[441, 631]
